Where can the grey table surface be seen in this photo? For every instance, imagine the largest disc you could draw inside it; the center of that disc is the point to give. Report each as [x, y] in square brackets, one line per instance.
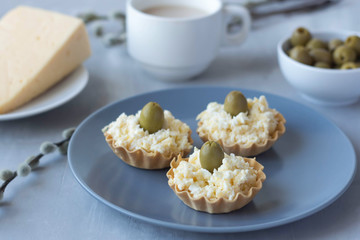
[50, 204]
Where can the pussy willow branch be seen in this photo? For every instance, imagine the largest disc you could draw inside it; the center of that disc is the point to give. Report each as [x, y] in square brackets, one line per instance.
[36, 158]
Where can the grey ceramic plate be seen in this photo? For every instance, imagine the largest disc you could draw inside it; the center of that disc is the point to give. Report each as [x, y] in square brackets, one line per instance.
[307, 169]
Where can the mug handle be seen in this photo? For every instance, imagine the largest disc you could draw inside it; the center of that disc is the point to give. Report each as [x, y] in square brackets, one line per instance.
[239, 37]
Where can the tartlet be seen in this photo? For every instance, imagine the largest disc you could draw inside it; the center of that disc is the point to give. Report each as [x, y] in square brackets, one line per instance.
[205, 201]
[247, 134]
[139, 148]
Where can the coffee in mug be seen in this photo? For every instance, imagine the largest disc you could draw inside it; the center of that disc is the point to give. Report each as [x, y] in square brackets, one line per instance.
[175, 11]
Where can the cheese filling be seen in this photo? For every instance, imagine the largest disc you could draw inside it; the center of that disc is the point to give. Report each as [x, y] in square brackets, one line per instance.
[246, 128]
[232, 177]
[172, 138]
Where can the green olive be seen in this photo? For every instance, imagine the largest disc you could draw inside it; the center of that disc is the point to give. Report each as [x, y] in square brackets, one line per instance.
[354, 42]
[349, 65]
[300, 54]
[211, 156]
[235, 103]
[322, 65]
[151, 117]
[300, 37]
[316, 43]
[321, 55]
[344, 54]
[334, 43]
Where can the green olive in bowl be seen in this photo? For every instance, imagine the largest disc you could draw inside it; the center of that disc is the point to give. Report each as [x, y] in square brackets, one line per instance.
[300, 54]
[300, 37]
[344, 54]
[321, 55]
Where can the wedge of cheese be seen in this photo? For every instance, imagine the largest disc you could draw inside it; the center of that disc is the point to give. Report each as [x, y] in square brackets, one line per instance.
[38, 48]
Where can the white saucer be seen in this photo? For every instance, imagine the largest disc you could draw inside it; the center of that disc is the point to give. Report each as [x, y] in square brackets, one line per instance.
[61, 93]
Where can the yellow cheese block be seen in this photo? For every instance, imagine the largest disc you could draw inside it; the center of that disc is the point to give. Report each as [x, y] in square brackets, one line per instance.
[37, 49]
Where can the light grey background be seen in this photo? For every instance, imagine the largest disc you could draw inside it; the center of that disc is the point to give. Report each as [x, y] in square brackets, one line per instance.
[50, 204]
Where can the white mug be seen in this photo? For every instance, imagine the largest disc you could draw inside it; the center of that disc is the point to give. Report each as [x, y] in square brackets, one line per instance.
[175, 49]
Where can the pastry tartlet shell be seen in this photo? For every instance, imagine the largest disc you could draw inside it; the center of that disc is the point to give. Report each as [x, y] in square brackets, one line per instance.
[221, 205]
[140, 158]
[253, 149]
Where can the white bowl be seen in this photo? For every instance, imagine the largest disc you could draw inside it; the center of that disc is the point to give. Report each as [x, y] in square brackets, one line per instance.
[330, 87]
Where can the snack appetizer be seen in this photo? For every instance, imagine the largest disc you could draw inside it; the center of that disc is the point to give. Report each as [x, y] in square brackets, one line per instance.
[245, 127]
[335, 54]
[213, 181]
[149, 139]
